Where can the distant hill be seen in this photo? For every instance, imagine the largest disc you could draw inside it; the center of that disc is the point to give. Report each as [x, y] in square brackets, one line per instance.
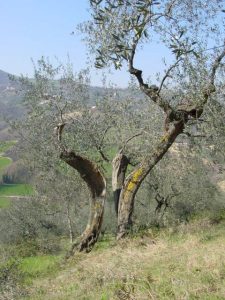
[6, 82]
[4, 79]
[10, 104]
[11, 101]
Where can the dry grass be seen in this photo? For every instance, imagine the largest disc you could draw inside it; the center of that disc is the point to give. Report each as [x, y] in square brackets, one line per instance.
[221, 185]
[186, 264]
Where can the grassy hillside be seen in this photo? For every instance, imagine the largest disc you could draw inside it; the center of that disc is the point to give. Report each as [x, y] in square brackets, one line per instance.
[4, 202]
[9, 190]
[4, 162]
[4, 78]
[183, 263]
[16, 189]
[6, 145]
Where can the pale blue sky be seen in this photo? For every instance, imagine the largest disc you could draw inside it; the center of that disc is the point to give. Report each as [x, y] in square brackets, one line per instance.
[32, 28]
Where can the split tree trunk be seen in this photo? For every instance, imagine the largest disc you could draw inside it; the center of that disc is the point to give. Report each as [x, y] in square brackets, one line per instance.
[97, 186]
[119, 168]
[134, 180]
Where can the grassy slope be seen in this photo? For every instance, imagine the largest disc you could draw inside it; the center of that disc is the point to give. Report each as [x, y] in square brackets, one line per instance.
[4, 202]
[4, 162]
[16, 190]
[11, 189]
[6, 145]
[186, 264]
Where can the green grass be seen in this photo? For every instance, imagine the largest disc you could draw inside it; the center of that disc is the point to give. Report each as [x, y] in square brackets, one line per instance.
[10, 189]
[6, 145]
[4, 162]
[106, 242]
[173, 267]
[16, 190]
[4, 202]
[38, 266]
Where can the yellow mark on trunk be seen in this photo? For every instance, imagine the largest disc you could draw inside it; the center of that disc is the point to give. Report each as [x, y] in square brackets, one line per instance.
[134, 180]
[165, 138]
[97, 205]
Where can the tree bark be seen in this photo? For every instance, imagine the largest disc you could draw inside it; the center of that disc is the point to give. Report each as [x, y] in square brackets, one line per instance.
[97, 186]
[134, 180]
[119, 168]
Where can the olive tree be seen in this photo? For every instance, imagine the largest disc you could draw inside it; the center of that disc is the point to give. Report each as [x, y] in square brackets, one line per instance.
[193, 34]
[55, 99]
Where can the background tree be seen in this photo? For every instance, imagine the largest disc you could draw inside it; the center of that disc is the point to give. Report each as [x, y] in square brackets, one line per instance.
[54, 102]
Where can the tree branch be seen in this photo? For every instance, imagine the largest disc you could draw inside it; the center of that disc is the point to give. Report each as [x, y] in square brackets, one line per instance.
[129, 139]
[189, 110]
[59, 129]
[167, 74]
[97, 145]
[151, 91]
[216, 65]
[210, 89]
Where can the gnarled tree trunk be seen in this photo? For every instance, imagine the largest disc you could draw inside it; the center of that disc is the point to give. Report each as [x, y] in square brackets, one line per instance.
[134, 180]
[175, 122]
[96, 183]
[97, 186]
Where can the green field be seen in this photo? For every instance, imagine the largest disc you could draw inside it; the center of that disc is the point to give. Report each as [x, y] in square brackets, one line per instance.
[16, 190]
[6, 145]
[4, 202]
[4, 162]
[7, 190]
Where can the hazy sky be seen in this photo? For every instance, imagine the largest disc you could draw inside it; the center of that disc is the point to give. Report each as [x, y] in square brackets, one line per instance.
[32, 28]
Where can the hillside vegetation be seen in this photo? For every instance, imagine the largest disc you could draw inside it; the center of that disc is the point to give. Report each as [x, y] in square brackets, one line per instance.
[186, 262]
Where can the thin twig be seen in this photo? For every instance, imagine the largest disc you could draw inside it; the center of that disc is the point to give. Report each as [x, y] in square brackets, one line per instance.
[216, 65]
[130, 138]
[167, 74]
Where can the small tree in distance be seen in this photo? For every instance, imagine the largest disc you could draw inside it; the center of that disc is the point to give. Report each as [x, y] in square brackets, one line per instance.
[187, 29]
